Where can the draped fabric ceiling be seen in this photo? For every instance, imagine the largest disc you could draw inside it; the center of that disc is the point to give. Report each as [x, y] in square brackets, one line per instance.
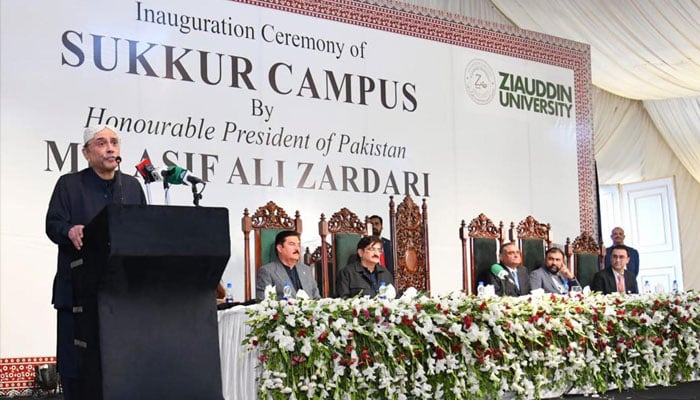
[645, 62]
[644, 50]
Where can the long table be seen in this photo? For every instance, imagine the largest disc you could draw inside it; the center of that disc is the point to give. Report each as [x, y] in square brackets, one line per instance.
[592, 342]
[238, 365]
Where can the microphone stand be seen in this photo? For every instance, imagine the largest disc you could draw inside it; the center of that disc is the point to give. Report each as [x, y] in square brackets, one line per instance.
[148, 192]
[119, 179]
[196, 196]
[166, 189]
[166, 186]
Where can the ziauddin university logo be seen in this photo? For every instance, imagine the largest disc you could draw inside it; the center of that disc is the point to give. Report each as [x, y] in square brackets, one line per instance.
[480, 81]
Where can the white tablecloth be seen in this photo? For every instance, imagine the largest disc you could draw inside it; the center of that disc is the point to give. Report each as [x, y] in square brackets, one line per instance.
[238, 366]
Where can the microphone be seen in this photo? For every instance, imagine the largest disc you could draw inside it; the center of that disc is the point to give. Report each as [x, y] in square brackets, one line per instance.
[118, 160]
[177, 175]
[499, 271]
[147, 171]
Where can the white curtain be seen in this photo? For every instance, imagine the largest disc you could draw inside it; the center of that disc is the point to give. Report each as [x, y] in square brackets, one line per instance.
[678, 121]
[629, 148]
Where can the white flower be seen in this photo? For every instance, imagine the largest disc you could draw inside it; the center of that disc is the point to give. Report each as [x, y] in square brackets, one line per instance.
[306, 348]
[270, 292]
[409, 294]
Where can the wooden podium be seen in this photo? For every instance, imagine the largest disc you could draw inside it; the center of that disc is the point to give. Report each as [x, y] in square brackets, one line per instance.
[145, 308]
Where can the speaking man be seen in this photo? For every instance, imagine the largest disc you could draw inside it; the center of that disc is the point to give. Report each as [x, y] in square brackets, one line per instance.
[76, 199]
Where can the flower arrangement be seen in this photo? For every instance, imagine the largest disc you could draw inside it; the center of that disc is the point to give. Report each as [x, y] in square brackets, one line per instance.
[458, 346]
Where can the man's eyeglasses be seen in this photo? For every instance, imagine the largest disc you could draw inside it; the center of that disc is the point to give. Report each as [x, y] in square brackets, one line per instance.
[377, 249]
[103, 142]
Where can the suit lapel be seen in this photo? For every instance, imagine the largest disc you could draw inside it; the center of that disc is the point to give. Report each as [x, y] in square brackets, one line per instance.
[303, 279]
[281, 272]
[303, 276]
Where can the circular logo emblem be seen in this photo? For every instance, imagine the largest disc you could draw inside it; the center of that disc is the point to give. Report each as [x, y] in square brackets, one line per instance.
[480, 81]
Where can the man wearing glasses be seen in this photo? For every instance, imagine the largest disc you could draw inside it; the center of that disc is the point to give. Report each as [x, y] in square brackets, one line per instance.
[76, 199]
[365, 276]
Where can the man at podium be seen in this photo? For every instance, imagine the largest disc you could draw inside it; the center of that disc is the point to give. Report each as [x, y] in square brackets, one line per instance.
[76, 199]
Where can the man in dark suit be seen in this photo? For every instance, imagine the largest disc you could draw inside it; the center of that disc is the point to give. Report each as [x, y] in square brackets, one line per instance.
[552, 276]
[76, 200]
[517, 281]
[617, 278]
[366, 275]
[287, 269]
[618, 237]
[387, 248]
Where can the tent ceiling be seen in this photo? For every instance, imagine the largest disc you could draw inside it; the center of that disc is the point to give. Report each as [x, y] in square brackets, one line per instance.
[642, 49]
[639, 49]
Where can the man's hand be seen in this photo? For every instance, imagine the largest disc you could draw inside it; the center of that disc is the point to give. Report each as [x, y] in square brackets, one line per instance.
[75, 234]
[564, 270]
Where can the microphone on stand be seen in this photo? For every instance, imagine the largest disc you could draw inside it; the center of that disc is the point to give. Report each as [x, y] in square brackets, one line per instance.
[147, 171]
[149, 175]
[118, 159]
[177, 175]
[499, 271]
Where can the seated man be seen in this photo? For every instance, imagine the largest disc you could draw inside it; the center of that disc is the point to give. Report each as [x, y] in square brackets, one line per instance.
[553, 274]
[617, 278]
[365, 275]
[516, 282]
[289, 268]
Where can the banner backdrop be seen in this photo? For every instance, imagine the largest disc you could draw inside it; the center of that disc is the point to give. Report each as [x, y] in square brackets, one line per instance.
[314, 105]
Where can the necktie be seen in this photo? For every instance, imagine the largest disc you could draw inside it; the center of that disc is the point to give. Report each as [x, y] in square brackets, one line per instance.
[515, 278]
[620, 284]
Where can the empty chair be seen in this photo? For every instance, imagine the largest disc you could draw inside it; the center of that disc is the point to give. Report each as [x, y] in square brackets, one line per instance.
[409, 234]
[586, 255]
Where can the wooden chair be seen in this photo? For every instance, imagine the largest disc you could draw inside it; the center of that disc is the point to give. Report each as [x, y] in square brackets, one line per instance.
[345, 229]
[485, 239]
[533, 240]
[587, 256]
[266, 223]
[409, 235]
[316, 260]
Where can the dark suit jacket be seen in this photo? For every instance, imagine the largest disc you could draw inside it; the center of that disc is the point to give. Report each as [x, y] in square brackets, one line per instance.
[76, 200]
[604, 281]
[388, 250]
[634, 260]
[355, 279]
[275, 274]
[506, 287]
